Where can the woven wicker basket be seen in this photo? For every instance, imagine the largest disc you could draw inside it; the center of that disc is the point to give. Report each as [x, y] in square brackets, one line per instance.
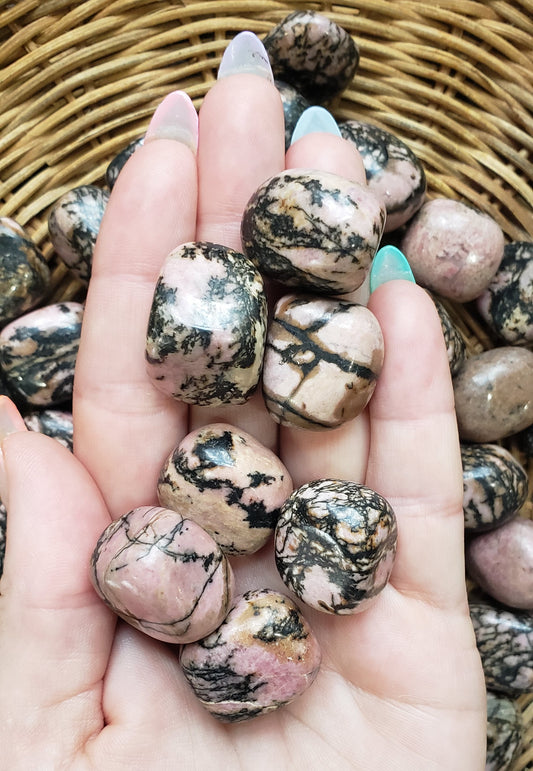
[453, 78]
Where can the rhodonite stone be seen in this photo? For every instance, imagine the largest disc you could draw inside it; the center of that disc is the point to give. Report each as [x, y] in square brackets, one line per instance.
[313, 54]
[455, 344]
[335, 543]
[262, 657]
[207, 326]
[313, 230]
[501, 563]
[119, 161]
[55, 423]
[495, 485]
[163, 574]
[494, 394]
[24, 273]
[505, 642]
[504, 732]
[74, 223]
[453, 248]
[38, 353]
[294, 104]
[507, 303]
[393, 171]
[322, 361]
[229, 483]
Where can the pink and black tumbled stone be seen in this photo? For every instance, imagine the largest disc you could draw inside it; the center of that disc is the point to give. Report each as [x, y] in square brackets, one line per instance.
[335, 544]
[24, 272]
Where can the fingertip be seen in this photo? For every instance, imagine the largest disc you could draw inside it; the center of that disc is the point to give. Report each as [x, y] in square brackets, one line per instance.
[328, 152]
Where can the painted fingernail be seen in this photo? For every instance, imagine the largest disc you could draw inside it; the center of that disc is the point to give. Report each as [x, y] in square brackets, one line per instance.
[388, 264]
[175, 118]
[315, 119]
[10, 422]
[245, 55]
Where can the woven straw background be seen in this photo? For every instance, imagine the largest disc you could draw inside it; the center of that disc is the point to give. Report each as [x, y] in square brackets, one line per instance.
[453, 78]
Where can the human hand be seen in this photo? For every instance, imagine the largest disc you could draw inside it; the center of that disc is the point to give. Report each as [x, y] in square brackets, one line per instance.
[401, 685]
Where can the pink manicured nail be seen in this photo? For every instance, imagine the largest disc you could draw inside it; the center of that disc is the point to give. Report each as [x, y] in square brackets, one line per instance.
[175, 118]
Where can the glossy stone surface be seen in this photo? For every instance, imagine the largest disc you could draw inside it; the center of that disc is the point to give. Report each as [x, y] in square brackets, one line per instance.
[55, 423]
[507, 304]
[313, 230]
[495, 485]
[393, 171]
[24, 273]
[74, 223]
[313, 54]
[322, 361]
[262, 657]
[504, 732]
[163, 574]
[455, 344]
[494, 394]
[229, 483]
[294, 104]
[453, 249]
[501, 563]
[207, 326]
[505, 642]
[38, 353]
[119, 161]
[335, 543]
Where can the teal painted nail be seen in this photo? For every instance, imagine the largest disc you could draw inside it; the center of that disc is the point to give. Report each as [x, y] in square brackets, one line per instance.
[389, 264]
[315, 119]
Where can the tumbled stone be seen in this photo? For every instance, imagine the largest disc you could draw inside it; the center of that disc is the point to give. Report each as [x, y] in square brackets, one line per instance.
[504, 732]
[38, 353]
[262, 657]
[494, 394]
[313, 54]
[335, 543]
[294, 105]
[507, 304]
[455, 343]
[207, 326]
[453, 248]
[119, 161]
[74, 224]
[393, 171]
[163, 574]
[501, 563]
[504, 639]
[224, 479]
[322, 361]
[495, 485]
[55, 423]
[24, 272]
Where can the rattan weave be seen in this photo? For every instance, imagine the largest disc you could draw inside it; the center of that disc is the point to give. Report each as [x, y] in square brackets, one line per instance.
[453, 78]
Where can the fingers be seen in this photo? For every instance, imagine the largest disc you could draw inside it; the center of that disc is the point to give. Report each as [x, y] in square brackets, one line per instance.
[56, 634]
[241, 145]
[125, 426]
[340, 453]
[414, 458]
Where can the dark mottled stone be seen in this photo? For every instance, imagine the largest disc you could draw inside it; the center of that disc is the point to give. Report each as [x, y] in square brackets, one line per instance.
[55, 423]
[392, 169]
[495, 485]
[335, 543]
[74, 223]
[263, 656]
[119, 161]
[207, 326]
[455, 344]
[313, 54]
[507, 303]
[294, 105]
[313, 230]
[38, 353]
[24, 273]
[3, 523]
[504, 732]
[505, 642]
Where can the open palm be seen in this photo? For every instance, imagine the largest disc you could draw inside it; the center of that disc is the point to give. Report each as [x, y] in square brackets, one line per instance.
[401, 685]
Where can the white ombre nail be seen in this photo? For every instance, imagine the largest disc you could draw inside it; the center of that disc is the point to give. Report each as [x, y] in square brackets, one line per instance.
[175, 118]
[245, 55]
